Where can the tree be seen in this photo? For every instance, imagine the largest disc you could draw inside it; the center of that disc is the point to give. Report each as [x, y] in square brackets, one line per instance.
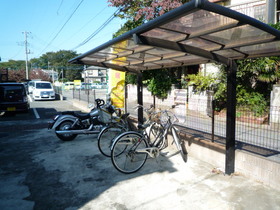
[19, 75]
[138, 12]
[145, 10]
[158, 82]
[59, 62]
[39, 74]
[16, 75]
[13, 64]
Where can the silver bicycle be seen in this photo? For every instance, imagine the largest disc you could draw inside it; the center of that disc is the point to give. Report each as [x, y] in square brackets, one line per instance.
[108, 134]
[130, 149]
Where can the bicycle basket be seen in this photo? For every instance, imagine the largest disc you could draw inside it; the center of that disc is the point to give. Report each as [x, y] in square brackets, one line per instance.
[167, 115]
[155, 117]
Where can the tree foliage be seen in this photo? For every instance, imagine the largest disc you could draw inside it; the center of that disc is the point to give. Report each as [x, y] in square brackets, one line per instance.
[255, 81]
[158, 82]
[146, 10]
[58, 61]
[201, 82]
[19, 75]
[13, 65]
[262, 69]
[138, 12]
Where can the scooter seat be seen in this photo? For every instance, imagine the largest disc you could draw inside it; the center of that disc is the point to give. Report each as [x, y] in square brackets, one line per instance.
[82, 116]
[79, 115]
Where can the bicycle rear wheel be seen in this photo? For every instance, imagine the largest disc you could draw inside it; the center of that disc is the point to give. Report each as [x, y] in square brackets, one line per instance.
[156, 131]
[180, 144]
[128, 152]
[106, 138]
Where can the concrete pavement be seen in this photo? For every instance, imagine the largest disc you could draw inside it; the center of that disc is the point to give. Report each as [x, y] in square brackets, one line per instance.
[38, 171]
[163, 183]
[194, 185]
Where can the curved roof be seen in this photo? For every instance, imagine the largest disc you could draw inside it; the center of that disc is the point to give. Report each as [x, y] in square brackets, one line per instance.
[197, 32]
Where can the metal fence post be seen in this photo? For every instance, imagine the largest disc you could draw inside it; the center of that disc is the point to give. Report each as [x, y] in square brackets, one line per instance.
[213, 120]
[140, 97]
[79, 94]
[230, 121]
[87, 90]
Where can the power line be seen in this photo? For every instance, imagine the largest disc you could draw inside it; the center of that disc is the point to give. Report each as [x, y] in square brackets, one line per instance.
[98, 30]
[62, 26]
[57, 12]
[74, 34]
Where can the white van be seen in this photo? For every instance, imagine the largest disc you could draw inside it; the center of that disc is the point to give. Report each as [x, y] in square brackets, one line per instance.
[43, 90]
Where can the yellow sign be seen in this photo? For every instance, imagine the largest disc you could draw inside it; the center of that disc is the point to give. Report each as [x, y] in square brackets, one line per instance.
[117, 78]
[77, 82]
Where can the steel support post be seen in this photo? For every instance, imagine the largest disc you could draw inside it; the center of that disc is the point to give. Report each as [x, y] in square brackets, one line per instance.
[140, 97]
[230, 121]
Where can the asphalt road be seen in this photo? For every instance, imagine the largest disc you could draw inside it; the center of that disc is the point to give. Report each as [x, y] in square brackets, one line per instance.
[39, 171]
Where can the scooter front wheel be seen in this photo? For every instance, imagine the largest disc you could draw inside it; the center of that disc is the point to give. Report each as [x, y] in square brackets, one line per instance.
[66, 125]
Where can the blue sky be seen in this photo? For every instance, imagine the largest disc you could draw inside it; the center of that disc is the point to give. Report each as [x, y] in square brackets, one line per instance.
[46, 20]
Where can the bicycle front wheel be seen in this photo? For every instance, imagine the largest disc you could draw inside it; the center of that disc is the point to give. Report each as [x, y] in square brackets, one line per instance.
[106, 138]
[128, 153]
[180, 144]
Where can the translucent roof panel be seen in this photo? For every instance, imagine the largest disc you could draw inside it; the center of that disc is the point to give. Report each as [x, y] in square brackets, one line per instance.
[197, 32]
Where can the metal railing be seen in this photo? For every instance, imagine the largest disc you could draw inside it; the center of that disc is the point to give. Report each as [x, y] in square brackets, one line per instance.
[87, 95]
[252, 129]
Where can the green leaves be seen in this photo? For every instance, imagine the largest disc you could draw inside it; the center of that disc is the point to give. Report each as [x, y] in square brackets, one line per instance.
[200, 82]
[261, 69]
[59, 62]
[159, 83]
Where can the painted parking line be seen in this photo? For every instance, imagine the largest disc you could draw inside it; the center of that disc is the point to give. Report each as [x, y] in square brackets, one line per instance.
[30, 98]
[36, 113]
[34, 109]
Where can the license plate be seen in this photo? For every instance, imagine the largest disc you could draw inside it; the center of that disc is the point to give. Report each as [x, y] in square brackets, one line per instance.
[11, 108]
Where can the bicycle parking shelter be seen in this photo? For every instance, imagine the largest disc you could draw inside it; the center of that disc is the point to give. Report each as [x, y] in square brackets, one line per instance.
[198, 32]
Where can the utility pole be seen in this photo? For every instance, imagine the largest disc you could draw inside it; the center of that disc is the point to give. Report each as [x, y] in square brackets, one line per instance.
[26, 53]
[52, 76]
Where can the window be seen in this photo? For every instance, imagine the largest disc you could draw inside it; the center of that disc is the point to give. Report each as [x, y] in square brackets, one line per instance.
[43, 86]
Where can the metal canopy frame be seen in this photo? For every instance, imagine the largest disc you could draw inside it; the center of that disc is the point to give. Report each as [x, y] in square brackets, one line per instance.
[195, 33]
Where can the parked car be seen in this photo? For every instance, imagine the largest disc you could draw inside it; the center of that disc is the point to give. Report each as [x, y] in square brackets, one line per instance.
[13, 97]
[68, 85]
[43, 91]
[30, 85]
